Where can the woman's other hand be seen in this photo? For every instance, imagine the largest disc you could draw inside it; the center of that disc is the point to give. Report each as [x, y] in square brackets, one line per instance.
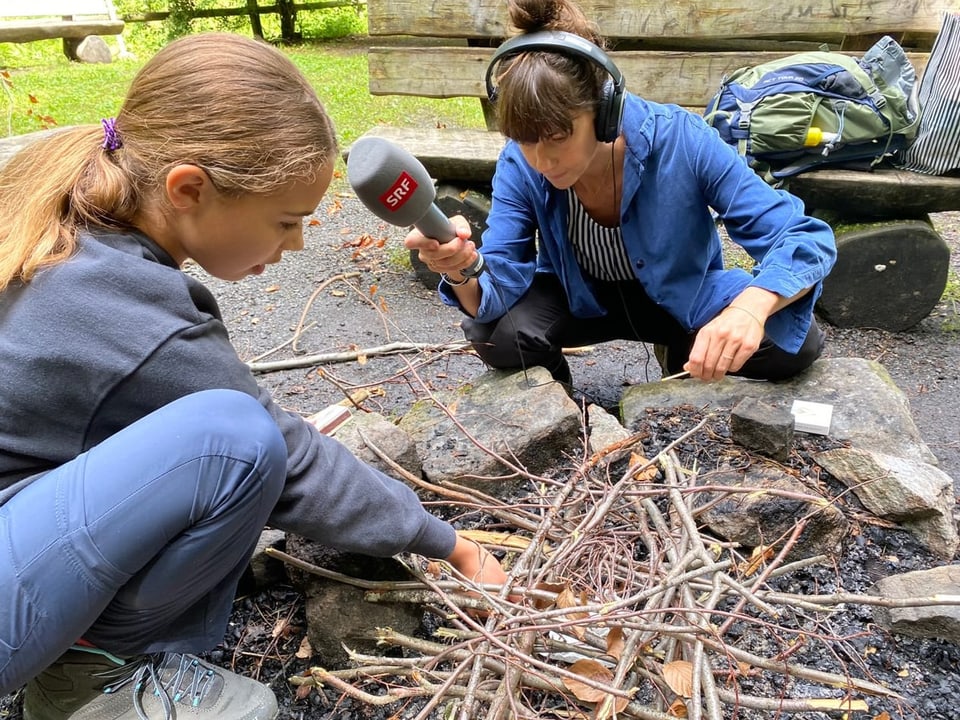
[449, 257]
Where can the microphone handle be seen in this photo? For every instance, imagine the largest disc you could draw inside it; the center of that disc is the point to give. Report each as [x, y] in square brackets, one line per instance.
[434, 224]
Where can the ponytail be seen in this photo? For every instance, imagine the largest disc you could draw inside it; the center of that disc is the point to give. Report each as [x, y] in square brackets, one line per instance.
[49, 190]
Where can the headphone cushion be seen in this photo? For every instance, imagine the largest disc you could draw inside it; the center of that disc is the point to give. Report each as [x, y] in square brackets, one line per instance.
[609, 112]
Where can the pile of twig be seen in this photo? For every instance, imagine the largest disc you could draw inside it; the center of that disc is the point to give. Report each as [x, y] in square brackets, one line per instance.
[619, 605]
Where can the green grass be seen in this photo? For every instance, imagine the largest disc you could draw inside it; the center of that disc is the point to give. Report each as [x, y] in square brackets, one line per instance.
[42, 84]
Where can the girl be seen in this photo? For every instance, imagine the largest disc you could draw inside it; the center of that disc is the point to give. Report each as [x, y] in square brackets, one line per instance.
[601, 225]
[139, 460]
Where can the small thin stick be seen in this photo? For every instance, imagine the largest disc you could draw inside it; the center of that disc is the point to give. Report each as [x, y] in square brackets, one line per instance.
[677, 376]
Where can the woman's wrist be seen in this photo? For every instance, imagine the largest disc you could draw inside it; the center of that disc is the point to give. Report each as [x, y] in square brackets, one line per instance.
[453, 280]
[748, 312]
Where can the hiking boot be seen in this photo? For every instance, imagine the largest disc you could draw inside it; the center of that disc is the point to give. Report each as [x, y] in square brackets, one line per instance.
[90, 684]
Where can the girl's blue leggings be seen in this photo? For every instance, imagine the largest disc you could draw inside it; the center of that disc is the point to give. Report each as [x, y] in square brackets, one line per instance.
[138, 544]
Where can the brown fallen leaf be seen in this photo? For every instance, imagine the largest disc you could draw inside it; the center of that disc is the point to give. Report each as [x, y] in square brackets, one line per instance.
[596, 671]
[305, 651]
[647, 475]
[679, 677]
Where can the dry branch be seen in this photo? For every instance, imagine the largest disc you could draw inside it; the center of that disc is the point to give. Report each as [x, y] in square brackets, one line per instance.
[627, 610]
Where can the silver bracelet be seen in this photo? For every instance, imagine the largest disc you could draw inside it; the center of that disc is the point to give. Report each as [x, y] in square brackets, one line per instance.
[451, 283]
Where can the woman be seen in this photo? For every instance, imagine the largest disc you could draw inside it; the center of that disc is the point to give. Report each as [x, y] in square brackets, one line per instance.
[139, 460]
[602, 225]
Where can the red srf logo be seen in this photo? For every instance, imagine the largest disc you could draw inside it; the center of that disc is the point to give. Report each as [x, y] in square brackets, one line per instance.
[398, 193]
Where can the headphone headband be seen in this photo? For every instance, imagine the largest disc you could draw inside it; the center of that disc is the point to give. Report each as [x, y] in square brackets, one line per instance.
[558, 41]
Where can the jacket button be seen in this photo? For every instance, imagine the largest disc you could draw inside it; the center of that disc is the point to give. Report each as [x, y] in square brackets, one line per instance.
[640, 263]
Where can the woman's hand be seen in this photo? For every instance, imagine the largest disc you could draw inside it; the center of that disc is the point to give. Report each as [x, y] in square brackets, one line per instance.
[449, 257]
[725, 343]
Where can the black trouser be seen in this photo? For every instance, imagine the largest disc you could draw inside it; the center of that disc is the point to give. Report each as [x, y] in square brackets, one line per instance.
[540, 325]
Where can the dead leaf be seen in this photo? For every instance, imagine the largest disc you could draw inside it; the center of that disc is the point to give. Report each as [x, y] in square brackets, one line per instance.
[679, 677]
[758, 558]
[615, 642]
[505, 540]
[882, 716]
[305, 651]
[594, 671]
[313, 222]
[281, 628]
[372, 290]
[648, 475]
[678, 708]
[547, 587]
[566, 599]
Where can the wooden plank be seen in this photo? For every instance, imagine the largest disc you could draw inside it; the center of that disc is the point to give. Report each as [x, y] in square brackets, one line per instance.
[678, 18]
[58, 8]
[886, 192]
[44, 30]
[684, 78]
[450, 155]
[470, 156]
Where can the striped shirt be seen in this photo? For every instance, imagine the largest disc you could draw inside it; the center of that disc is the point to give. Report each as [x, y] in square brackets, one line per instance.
[599, 250]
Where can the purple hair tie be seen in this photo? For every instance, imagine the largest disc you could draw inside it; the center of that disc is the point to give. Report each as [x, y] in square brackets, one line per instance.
[111, 139]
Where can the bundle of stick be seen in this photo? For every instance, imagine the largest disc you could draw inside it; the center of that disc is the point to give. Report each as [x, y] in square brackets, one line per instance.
[619, 606]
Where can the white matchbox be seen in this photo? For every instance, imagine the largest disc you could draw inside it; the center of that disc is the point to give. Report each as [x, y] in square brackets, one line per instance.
[812, 417]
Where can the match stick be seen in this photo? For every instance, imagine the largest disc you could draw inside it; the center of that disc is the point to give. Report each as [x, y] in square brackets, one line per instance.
[681, 374]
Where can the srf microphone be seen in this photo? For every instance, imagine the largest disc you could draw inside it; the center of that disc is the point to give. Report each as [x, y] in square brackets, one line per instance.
[396, 187]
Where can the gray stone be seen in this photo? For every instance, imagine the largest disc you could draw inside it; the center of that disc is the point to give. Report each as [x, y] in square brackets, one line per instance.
[761, 427]
[265, 571]
[525, 418]
[93, 49]
[924, 621]
[917, 496]
[337, 614]
[757, 518]
[869, 410]
[605, 430]
[386, 436]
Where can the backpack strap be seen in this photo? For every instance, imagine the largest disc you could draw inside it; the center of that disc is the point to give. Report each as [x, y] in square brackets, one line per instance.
[746, 110]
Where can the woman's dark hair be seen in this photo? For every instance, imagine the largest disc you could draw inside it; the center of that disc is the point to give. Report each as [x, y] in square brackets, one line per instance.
[539, 92]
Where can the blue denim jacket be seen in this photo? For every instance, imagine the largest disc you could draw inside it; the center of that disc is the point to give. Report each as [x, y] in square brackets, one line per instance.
[676, 170]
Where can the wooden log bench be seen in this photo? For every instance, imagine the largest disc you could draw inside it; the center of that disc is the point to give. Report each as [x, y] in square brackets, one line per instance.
[892, 264]
[72, 20]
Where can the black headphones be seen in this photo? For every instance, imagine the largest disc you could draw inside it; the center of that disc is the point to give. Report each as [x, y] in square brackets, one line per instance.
[609, 105]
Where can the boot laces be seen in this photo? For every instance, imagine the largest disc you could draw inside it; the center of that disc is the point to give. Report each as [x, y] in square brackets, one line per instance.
[174, 677]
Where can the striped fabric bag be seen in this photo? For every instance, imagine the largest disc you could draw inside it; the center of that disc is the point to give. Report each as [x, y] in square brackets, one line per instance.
[936, 150]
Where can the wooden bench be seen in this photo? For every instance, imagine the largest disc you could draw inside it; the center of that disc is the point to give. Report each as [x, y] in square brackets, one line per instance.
[889, 274]
[72, 20]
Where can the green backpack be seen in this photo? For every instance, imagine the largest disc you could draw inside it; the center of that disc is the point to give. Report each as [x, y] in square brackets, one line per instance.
[815, 108]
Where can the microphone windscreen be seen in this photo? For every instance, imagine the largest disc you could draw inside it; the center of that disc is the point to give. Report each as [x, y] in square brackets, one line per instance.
[391, 182]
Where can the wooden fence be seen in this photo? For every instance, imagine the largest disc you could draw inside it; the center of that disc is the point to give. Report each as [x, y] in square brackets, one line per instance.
[286, 9]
